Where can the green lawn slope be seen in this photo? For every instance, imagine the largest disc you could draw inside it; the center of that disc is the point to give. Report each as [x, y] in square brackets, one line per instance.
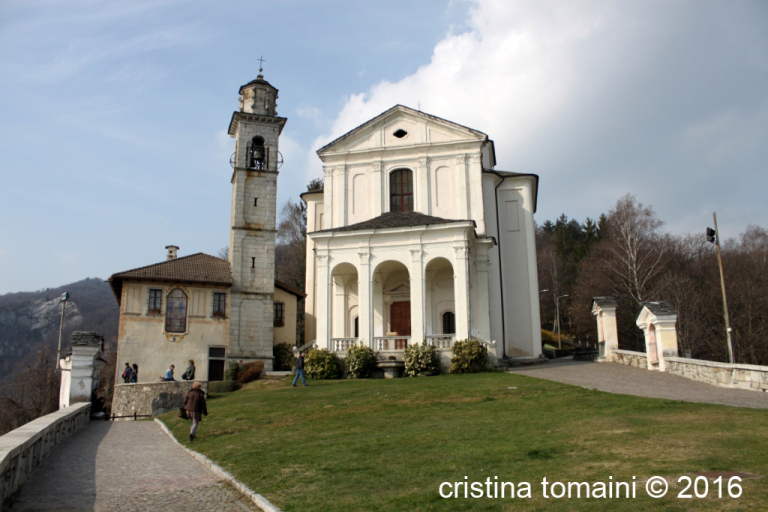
[387, 445]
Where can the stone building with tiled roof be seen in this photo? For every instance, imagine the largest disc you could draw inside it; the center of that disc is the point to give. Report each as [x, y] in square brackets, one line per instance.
[209, 309]
[415, 236]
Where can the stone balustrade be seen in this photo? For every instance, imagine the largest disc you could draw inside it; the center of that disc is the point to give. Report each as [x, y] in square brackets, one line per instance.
[391, 343]
[440, 341]
[342, 344]
[25, 448]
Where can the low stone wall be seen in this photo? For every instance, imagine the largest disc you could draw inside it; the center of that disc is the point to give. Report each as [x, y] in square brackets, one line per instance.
[23, 449]
[630, 358]
[743, 376]
[151, 398]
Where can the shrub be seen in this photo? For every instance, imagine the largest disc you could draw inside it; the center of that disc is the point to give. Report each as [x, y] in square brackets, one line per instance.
[421, 360]
[233, 368]
[468, 356]
[321, 364]
[250, 372]
[222, 386]
[361, 362]
[284, 358]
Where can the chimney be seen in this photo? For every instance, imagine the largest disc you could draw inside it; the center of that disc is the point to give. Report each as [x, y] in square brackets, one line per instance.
[172, 249]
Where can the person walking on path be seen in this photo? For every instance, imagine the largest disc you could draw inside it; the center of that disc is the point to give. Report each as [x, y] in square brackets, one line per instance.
[194, 404]
[189, 374]
[134, 378]
[127, 373]
[168, 374]
[299, 367]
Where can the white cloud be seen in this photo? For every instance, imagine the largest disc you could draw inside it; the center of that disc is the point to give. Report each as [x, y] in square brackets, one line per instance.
[601, 99]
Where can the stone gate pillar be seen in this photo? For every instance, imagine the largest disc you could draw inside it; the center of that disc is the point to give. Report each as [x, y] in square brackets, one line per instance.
[604, 309]
[657, 320]
[80, 369]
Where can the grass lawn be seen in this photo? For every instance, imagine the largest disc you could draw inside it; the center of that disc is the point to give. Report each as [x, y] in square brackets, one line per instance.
[378, 445]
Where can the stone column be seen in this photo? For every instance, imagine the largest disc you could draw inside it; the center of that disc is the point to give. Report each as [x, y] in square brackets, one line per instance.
[365, 295]
[461, 177]
[328, 198]
[422, 187]
[417, 296]
[604, 309]
[475, 179]
[483, 315]
[339, 308]
[461, 290]
[323, 299]
[378, 189]
[657, 320]
[339, 197]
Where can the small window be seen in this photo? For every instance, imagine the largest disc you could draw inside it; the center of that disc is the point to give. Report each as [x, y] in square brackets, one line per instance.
[449, 323]
[400, 133]
[357, 327]
[155, 303]
[217, 352]
[176, 311]
[219, 305]
[279, 314]
[401, 191]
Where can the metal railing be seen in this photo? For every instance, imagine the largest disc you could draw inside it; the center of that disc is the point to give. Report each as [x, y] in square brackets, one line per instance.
[305, 347]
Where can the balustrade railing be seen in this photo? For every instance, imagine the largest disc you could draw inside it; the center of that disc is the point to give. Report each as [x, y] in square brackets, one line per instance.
[342, 344]
[391, 343]
[490, 345]
[440, 341]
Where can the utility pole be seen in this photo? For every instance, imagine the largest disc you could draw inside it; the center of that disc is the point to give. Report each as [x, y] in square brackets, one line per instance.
[557, 315]
[63, 300]
[714, 237]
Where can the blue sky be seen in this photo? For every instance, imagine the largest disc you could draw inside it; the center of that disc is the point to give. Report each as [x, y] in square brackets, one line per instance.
[113, 115]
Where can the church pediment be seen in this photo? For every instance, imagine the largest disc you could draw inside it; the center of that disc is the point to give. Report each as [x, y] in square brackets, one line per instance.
[401, 126]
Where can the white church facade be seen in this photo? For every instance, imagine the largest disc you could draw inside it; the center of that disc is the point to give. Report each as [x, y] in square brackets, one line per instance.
[416, 237]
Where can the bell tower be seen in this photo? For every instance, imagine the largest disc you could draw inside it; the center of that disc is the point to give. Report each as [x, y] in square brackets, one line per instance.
[256, 129]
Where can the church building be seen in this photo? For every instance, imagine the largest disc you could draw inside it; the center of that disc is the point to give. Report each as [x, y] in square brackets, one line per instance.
[415, 236]
[209, 309]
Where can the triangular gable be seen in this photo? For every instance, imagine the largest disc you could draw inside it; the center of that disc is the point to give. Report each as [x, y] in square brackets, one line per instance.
[381, 131]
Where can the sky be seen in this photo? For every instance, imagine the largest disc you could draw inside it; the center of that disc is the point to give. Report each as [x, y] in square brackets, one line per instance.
[114, 115]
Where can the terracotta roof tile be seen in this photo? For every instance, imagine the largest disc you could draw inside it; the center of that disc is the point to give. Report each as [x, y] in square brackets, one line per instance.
[196, 268]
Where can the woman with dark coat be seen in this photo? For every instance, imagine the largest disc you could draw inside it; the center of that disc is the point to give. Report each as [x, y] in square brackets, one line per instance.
[134, 374]
[194, 404]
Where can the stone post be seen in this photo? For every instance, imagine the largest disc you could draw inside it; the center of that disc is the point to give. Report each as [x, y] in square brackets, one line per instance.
[80, 369]
[657, 320]
[604, 309]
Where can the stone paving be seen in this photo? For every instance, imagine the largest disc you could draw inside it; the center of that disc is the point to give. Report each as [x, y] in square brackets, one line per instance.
[125, 466]
[628, 380]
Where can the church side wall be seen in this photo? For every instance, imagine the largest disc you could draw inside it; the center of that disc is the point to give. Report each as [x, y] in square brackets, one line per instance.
[286, 333]
[518, 257]
[494, 278]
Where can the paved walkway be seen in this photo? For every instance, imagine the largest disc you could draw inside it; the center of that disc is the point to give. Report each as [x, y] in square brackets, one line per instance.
[628, 380]
[125, 466]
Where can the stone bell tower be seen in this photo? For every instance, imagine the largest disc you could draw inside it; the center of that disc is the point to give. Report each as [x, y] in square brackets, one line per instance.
[256, 129]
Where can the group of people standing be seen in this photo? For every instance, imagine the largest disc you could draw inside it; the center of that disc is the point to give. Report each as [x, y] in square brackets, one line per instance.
[130, 373]
[189, 373]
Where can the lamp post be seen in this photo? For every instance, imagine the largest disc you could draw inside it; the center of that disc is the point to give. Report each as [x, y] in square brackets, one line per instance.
[64, 298]
[713, 236]
[557, 315]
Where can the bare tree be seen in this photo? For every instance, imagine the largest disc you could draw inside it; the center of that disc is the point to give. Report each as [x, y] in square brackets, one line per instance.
[223, 253]
[636, 251]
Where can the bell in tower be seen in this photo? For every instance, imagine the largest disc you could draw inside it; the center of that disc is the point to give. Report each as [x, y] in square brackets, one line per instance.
[256, 129]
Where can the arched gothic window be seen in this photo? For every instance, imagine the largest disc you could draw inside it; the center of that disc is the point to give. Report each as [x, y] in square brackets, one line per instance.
[176, 311]
[401, 191]
[449, 323]
[257, 154]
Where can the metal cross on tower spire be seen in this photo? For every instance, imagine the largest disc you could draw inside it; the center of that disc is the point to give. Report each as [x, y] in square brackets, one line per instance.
[261, 63]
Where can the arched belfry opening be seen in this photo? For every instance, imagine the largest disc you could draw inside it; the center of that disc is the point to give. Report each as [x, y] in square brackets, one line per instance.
[258, 154]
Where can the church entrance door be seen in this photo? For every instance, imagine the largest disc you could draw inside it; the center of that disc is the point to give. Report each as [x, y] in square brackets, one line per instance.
[401, 317]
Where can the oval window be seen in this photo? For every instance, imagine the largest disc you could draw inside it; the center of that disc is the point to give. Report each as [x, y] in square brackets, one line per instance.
[400, 133]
